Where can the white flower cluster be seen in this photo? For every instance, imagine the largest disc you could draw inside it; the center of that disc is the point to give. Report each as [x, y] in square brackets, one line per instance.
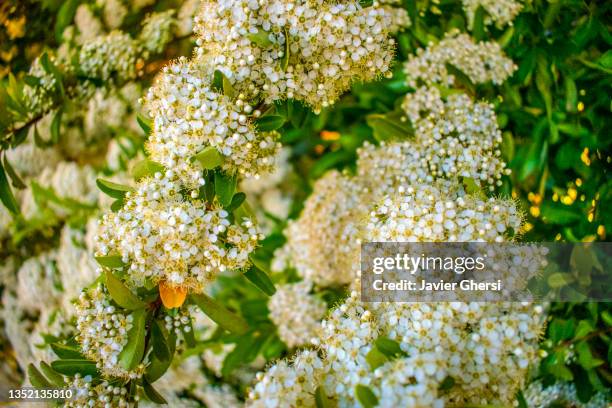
[453, 138]
[296, 313]
[112, 58]
[157, 31]
[322, 240]
[166, 236]
[102, 395]
[484, 347]
[190, 115]
[115, 57]
[481, 62]
[102, 332]
[441, 212]
[310, 50]
[500, 12]
[561, 394]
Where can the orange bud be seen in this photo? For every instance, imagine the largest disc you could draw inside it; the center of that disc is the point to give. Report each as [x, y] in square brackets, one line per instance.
[172, 296]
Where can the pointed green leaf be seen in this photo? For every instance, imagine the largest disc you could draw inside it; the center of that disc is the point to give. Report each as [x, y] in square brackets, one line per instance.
[117, 205]
[160, 347]
[133, 351]
[65, 352]
[365, 396]
[260, 279]
[71, 367]
[54, 377]
[64, 17]
[110, 261]
[284, 63]
[6, 194]
[55, 126]
[321, 398]
[375, 358]
[121, 294]
[217, 83]
[15, 179]
[209, 158]
[114, 190]
[145, 168]
[237, 201]
[270, 122]
[261, 38]
[36, 378]
[152, 394]
[390, 126]
[478, 28]
[222, 316]
[144, 123]
[389, 347]
[225, 185]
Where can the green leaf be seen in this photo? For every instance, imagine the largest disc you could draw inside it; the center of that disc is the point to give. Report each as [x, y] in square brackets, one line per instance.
[260, 279]
[15, 179]
[111, 189]
[270, 122]
[65, 352]
[478, 28]
[561, 371]
[110, 261]
[225, 185]
[157, 367]
[55, 126]
[520, 398]
[209, 158]
[71, 367]
[217, 83]
[584, 327]
[504, 40]
[507, 147]
[152, 394]
[571, 94]
[160, 346]
[222, 316]
[54, 377]
[321, 398]
[447, 384]
[376, 358]
[284, 62]
[560, 279]
[145, 168]
[228, 88]
[133, 351]
[388, 347]
[64, 17]
[36, 378]
[365, 396]
[237, 201]
[461, 79]
[144, 123]
[6, 194]
[38, 140]
[261, 38]
[585, 357]
[560, 329]
[117, 205]
[390, 126]
[121, 294]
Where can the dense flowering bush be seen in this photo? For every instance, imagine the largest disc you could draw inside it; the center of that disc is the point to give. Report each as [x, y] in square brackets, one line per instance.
[186, 186]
